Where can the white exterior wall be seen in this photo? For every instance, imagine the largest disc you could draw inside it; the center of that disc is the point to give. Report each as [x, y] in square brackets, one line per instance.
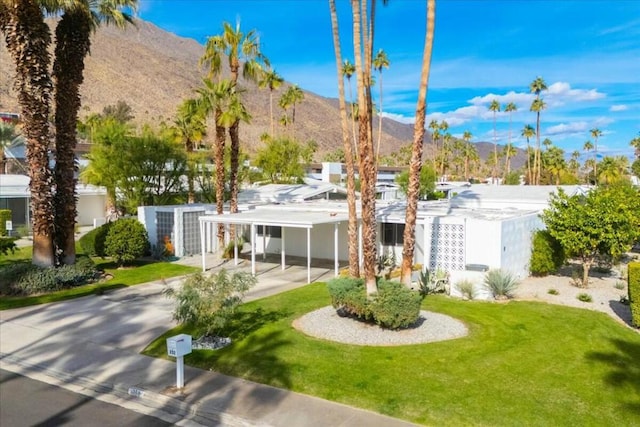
[147, 216]
[483, 242]
[90, 207]
[516, 243]
[441, 248]
[322, 242]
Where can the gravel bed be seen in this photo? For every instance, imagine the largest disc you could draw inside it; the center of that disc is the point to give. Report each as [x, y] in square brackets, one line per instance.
[326, 324]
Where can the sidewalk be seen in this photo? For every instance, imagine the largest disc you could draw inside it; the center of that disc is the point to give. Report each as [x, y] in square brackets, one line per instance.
[92, 345]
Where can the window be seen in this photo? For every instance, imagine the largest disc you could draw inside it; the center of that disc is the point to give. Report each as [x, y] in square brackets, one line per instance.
[392, 234]
[271, 231]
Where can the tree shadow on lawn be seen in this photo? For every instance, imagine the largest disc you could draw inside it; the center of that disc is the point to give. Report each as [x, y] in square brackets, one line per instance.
[245, 323]
[625, 364]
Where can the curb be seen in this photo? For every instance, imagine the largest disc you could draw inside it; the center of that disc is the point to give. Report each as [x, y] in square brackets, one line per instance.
[130, 397]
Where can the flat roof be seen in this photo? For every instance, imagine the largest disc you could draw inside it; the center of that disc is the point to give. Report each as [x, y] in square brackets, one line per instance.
[279, 217]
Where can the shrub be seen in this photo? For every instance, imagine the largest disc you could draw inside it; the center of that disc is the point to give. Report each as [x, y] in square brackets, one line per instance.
[208, 302]
[633, 289]
[126, 240]
[466, 288]
[28, 279]
[5, 215]
[584, 297]
[553, 292]
[7, 244]
[547, 255]
[500, 283]
[92, 243]
[393, 306]
[619, 285]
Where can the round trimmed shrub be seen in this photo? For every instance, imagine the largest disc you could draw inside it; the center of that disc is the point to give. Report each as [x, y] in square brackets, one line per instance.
[92, 243]
[126, 241]
[395, 306]
[547, 255]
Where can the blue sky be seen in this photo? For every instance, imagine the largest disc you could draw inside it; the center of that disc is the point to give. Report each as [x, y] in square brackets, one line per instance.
[587, 51]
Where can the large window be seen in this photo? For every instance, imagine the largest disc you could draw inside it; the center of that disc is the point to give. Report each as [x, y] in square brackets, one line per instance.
[392, 234]
[271, 231]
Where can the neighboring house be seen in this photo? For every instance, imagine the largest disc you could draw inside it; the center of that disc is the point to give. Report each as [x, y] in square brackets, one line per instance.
[15, 195]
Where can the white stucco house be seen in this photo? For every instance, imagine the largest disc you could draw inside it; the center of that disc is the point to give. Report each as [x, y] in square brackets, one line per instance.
[15, 195]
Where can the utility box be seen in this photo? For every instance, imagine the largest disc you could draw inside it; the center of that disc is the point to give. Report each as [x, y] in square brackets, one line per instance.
[179, 345]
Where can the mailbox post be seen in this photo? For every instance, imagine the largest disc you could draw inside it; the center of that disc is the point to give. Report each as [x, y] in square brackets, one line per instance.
[178, 346]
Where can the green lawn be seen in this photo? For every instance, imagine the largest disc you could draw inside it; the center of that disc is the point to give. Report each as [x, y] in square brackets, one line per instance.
[524, 363]
[140, 272]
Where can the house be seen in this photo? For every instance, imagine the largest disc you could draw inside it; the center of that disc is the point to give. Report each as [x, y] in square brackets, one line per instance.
[15, 195]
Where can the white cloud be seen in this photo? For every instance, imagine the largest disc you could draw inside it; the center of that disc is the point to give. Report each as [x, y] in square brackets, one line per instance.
[518, 98]
[560, 93]
[619, 107]
[568, 128]
[399, 118]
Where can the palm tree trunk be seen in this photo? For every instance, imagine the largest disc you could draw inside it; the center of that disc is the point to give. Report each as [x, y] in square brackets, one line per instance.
[379, 122]
[367, 162]
[271, 109]
[415, 165]
[220, 175]
[28, 38]
[352, 230]
[537, 159]
[72, 46]
[235, 163]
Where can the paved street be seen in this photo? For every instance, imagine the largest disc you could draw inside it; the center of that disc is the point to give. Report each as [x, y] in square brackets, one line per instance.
[26, 402]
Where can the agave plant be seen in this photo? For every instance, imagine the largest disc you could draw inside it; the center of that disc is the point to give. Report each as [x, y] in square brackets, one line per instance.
[501, 284]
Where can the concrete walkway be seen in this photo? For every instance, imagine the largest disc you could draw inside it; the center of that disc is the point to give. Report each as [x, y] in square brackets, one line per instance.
[92, 345]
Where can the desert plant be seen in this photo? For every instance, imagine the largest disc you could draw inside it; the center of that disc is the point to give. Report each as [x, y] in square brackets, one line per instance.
[500, 283]
[547, 255]
[620, 285]
[584, 297]
[208, 302]
[466, 289]
[633, 290]
[126, 240]
[229, 250]
[432, 282]
[553, 292]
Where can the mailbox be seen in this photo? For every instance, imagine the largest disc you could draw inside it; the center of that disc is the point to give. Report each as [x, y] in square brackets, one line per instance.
[179, 345]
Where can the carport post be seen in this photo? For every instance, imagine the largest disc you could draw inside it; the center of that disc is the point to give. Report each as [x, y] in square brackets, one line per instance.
[282, 247]
[202, 245]
[264, 242]
[253, 249]
[308, 255]
[235, 246]
[335, 247]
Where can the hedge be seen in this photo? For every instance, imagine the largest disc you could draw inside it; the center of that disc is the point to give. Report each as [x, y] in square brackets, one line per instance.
[5, 215]
[92, 243]
[547, 255]
[634, 292]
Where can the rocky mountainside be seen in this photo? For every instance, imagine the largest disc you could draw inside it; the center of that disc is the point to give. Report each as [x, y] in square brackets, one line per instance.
[153, 70]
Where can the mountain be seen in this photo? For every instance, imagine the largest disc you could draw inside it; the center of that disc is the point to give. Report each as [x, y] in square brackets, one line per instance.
[153, 71]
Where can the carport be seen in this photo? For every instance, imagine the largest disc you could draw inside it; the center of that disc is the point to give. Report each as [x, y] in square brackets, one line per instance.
[283, 218]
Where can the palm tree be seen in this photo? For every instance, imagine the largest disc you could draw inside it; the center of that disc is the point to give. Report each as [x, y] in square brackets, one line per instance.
[612, 170]
[588, 146]
[528, 131]
[7, 136]
[189, 127]
[595, 134]
[635, 143]
[443, 127]
[416, 153]
[352, 229]
[495, 108]
[294, 95]
[379, 62]
[240, 50]
[347, 70]
[435, 134]
[510, 108]
[28, 38]
[272, 81]
[467, 152]
[537, 86]
[509, 151]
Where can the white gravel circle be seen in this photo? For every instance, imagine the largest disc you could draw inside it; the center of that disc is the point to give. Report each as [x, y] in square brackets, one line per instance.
[326, 324]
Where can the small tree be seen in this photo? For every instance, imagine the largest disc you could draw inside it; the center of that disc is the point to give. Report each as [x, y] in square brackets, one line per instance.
[126, 240]
[281, 159]
[427, 181]
[207, 302]
[605, 222]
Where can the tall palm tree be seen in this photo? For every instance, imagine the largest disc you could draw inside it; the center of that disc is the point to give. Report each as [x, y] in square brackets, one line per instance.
[28, 38]
[588, 146]
[510, 108]
[612, 170]
[294, 95]
[467, 152]
[495, 108]
[435, 134]
[271, 80]
[528, 131]
[189, 127]
[509, 151]
[352, 228]
[536, 87]
[241, 50]
[635, 143]
[595, 134]
[379, 62]
[7, 135]
[348, 70]
[443, 127]
[415, 165]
